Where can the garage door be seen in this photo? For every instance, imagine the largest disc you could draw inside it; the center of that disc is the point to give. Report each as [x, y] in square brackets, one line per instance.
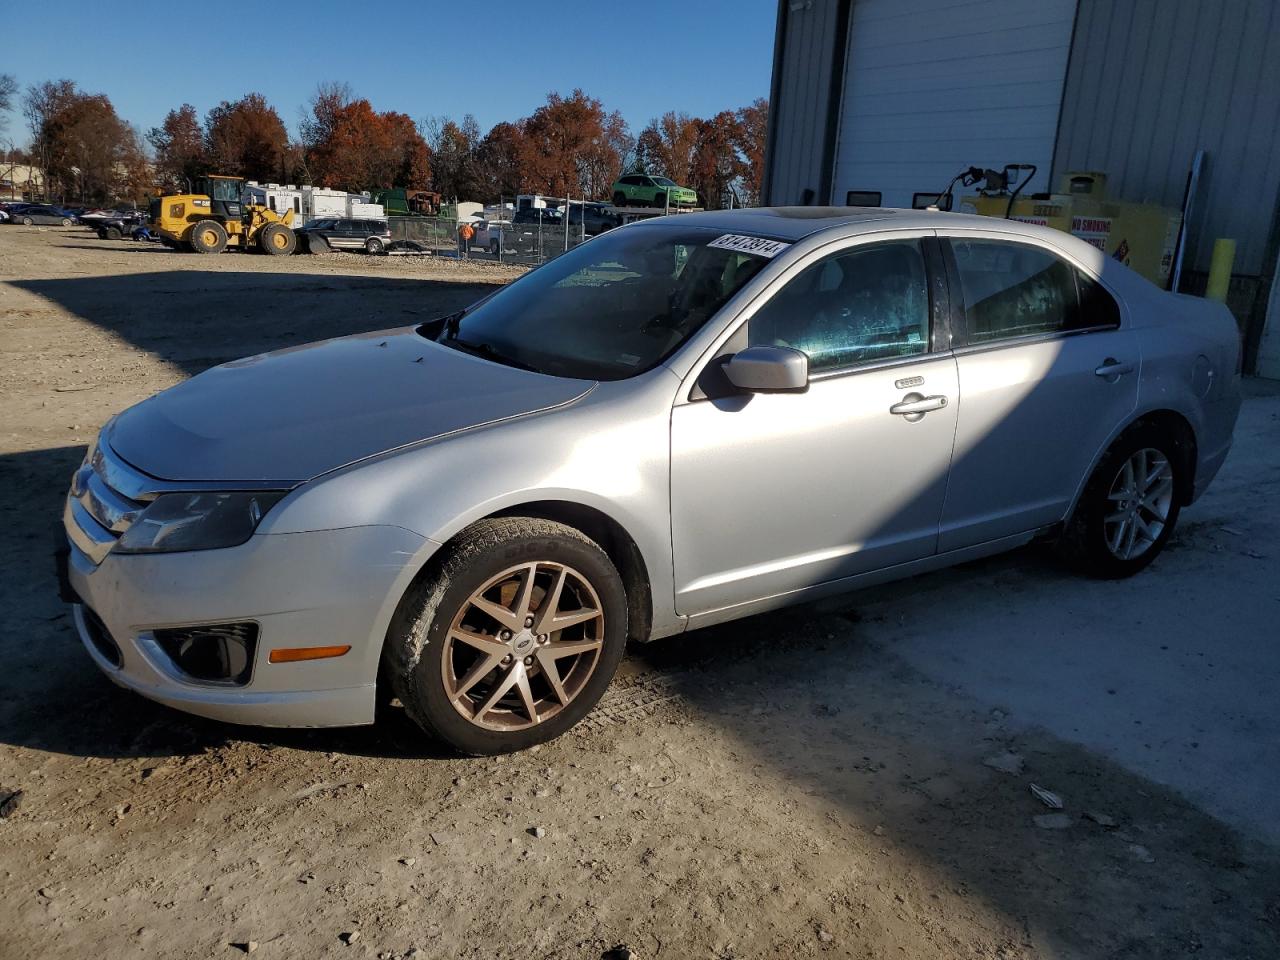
[934, 86]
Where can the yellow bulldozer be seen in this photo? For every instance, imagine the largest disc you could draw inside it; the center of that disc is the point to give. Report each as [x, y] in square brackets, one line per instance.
[214, 217]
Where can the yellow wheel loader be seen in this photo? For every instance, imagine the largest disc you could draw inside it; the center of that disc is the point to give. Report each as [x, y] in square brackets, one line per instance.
[213, 218]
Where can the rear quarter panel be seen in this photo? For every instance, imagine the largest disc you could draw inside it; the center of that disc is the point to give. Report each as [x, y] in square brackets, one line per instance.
[1190, 364]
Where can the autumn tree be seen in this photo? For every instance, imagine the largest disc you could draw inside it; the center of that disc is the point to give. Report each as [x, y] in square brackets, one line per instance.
[716, 164]
[348, 144]
[455, 157]
[181, 154]
[246, 138]
[572, 146]
[753, 131]
[498, 161]
[83, 146]
[675, 141]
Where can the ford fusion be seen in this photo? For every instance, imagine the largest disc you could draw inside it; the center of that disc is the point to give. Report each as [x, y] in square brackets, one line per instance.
[678, 423]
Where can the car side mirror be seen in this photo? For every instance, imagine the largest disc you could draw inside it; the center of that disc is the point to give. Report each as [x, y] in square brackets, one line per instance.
[766, 369]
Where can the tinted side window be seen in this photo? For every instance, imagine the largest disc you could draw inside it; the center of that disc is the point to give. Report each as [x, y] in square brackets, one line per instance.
[868, 303]
[1015, 290]
[1097, 307]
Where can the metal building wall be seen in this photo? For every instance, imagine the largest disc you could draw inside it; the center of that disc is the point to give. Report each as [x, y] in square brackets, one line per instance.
[805, 60]
[1152, 81]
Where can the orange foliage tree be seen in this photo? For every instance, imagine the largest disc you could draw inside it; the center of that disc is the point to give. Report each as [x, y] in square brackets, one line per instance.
[350, 145]
[247, 138]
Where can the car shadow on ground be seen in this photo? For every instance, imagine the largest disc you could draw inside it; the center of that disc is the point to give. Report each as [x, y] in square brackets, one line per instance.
[242, 313]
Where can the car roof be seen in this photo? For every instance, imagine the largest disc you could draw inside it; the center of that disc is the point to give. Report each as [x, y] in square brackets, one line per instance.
[796, 223]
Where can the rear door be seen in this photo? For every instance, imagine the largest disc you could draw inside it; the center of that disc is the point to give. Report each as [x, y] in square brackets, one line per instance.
[1047, 372]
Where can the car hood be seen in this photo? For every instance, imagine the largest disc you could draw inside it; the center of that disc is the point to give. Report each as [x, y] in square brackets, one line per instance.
[291, 415]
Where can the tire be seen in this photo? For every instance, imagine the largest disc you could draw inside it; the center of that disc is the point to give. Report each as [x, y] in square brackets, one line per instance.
[493, 247]
[373, 246]
[28, 222]
[66, 222]
[277, 240]
[426, 663]
[1098, 544]
[619, 199]
[208, 236]
[660, 200]
[111, 233]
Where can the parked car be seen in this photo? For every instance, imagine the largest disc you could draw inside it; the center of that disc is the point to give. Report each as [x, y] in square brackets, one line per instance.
[371, 236]
[545, 216]
[4, 215]
[119, 226]
[40, 213]
[595, 216]
[679, 423]
[489, 234]
[642, 189]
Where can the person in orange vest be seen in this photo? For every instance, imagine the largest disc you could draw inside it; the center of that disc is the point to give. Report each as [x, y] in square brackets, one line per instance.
[465, 233]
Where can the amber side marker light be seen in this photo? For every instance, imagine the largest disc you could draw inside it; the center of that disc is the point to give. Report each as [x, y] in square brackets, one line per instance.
[294, 654]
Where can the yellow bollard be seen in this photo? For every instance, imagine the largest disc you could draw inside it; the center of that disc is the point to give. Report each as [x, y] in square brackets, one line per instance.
[1224, 257]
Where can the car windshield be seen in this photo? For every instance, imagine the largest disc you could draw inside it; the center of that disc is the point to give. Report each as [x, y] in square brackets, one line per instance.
[664, 182]
[609, 309]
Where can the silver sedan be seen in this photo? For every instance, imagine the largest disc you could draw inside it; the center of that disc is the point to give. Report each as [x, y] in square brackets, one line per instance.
[678, 423]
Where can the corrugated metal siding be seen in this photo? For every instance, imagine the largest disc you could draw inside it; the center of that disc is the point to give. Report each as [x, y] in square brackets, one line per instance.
[934, 86]
[801, 103]
[1152, 81]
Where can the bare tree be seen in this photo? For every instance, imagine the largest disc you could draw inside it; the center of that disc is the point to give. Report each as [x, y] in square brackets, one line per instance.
[8, 90]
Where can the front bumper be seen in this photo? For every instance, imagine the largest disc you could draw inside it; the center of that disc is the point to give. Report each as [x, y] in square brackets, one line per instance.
[326, 588]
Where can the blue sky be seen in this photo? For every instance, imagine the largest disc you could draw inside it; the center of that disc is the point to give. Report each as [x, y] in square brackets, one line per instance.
[496, 59]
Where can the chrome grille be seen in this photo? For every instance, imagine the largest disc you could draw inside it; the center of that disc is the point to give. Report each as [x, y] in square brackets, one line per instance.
[102, 505]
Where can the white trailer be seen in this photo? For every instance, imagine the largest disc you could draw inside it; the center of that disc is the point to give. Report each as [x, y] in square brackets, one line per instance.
[277, 197]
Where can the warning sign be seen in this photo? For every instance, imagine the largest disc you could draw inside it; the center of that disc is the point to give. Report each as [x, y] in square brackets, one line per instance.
[1095, 231]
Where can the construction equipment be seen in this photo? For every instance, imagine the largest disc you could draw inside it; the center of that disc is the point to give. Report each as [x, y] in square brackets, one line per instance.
[214, 217]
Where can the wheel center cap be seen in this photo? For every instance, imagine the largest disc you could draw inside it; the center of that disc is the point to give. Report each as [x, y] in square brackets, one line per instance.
[522, 641]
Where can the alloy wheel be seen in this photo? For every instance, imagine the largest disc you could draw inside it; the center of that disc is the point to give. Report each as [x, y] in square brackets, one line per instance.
[523, 646]
[1140, 499]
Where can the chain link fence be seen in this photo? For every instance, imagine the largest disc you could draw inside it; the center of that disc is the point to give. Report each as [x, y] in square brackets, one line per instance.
[528, 243]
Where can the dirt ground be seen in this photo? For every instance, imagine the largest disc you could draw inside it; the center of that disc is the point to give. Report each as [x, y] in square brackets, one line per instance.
[808, 783]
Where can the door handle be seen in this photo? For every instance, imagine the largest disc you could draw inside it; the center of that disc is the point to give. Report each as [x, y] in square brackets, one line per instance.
[914, 406]
[1111, 367]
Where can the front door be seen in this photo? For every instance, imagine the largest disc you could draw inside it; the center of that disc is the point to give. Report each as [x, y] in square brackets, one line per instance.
[772, 493]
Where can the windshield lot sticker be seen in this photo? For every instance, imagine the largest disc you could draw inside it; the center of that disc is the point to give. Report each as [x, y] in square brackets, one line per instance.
[756, 246]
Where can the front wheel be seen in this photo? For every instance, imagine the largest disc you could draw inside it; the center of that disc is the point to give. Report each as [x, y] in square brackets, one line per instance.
[1130, 506]
[27, 222]
[208, 236]
[660, 200]
[511, 639]
[277, 240]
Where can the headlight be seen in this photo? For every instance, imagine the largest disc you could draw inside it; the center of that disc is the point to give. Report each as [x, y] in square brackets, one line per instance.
[197, 521]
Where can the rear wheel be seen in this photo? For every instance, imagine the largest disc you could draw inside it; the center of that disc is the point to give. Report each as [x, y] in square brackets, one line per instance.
[277, 240]
[512, 639]
[27, 221]
[208, 236]
[1130, 506]
[619, 199]
[112, 233]
[373, 246]
[66, 222]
